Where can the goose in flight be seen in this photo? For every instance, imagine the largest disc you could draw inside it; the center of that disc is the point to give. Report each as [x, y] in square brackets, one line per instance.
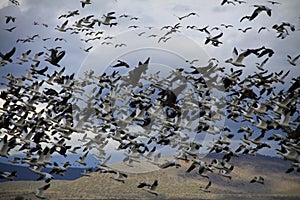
[87, 172]
[63, 28]
[55, 57]
[39, 193]
[261, 65]
[86, 2]
[262, 28]
[259, 179]
[214, 40]
[170, 163]
[245, 30]
[227, 25]
[119, 176]
[206, 188]
[289, 153]
[10, 29]
[8, 175]
[188, 15]
[293, 61]
[227, 1]
[120, 45]
[262, 124]
[121, 64]
[81, 159]
[36, 57]
[258, 10]
[202, 167]
[108, 17]
[7, 56]
[10, 18]
[284, 120]
[226, 171]
[274, 2]
[239, 58]
[43, 175]
[23, 58]
[150, 187]
[87, 49]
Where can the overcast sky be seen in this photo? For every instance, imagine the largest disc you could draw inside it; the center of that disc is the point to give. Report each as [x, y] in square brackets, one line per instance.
[155, 14]
[187, 44]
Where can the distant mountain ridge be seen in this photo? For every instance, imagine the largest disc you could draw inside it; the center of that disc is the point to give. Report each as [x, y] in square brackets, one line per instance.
[72, 173]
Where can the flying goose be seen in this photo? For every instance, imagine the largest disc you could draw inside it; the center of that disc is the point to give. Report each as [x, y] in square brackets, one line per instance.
[202, 167]
[258, 10]
[39, 193]
[261, 65]
[85, 2]
[15, 160]
[262, 28]
[284, 121]
[150, 187]
[120, 45]
[23, 58]
[226, 171]
[227, 25]
[36, 57]
[81, 159]
[108, 17]
[273, 2]
[293, 61]
[8, 175]
[239, 57]
[87, 49]
[170, 163]
[10, 18]
[245, 30]
[259, 179]
[214, 40]
[206, 188]
[7, 56]
[43, 175]
[289, 153]
[119, 176]
[262, 124]
[10, 29]
[227, 1]
[63, 28]
[55, 57]
[188, 15]
[87, 172]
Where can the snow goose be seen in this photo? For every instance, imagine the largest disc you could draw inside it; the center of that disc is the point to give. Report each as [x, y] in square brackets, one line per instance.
[259, 179]
[206, 188]
[39, 193]
[293, 61]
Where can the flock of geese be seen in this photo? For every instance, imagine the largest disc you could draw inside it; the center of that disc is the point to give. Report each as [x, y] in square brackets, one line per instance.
[44, 109]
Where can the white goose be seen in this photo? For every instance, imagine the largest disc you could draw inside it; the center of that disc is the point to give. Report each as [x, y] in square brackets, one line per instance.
[119, 176]
[261, 124]
[151, 188]
[63, 28]
[8, 175]
[239, 58]
[39, 193]
[289, 153]
[23, 58]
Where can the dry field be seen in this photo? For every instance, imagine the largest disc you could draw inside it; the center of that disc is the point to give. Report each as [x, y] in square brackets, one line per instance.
[174, 183]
